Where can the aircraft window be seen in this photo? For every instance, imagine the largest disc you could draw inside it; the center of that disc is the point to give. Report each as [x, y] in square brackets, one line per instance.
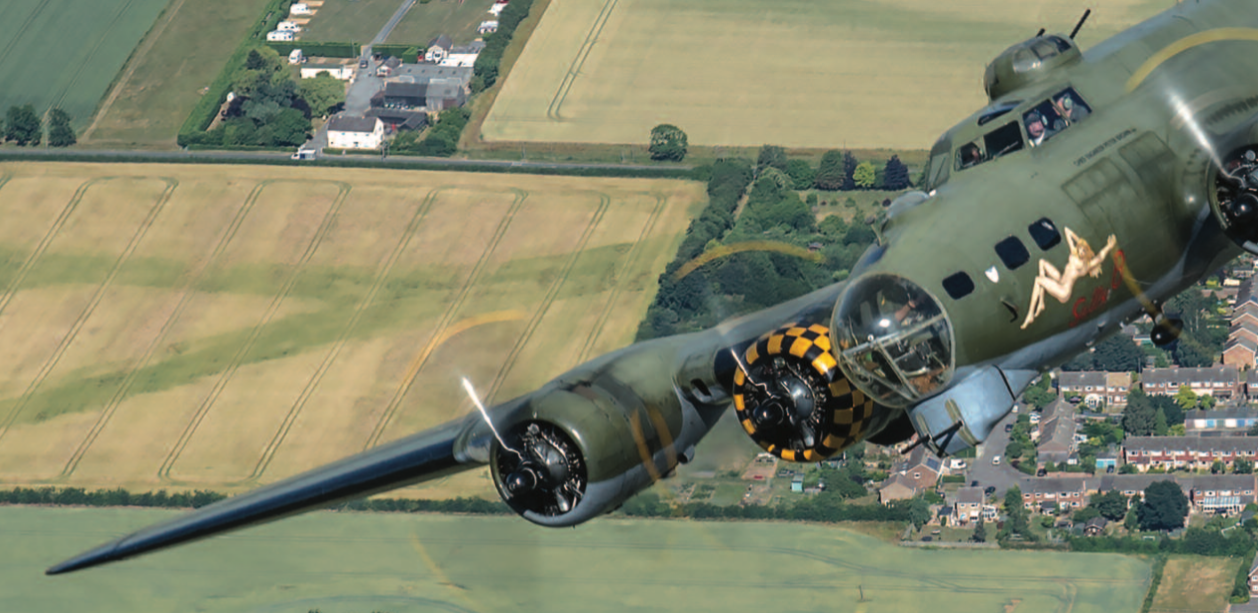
[1012, 252]
[997, 110]
[1045, 234]
[1045, 49]
[1063, 45]
[1047, 119]
[1025, 61]
[969, 155]
[1003, 140]
[958, 286]
[937, 171]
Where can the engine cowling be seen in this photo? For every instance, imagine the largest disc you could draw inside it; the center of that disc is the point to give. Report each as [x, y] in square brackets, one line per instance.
[793, 400]
[580, 451]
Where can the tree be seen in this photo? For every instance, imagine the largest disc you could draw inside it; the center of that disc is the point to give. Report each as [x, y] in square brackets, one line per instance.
[1159, 423]
[1128, 469]
[865, 175]
[830, 172]
[60, 134]
[895, 175]
[1038, 395]
[322, 93]
[1163, 508]
[1050, 467]
[1217, 467]
[290, 128]
[668, 143]
[771, 156]
[1112, 505]
[1243, 467]
[849, 170]
[802, 173]
[980, 532]
[1185, 397]
[22, 125]
[1139, 418]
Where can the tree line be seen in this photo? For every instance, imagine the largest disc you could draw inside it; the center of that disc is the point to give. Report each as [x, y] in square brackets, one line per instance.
[22, 126]
[755, 279]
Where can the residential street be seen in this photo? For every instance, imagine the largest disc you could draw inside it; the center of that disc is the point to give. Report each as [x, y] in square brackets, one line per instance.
[1001, 477]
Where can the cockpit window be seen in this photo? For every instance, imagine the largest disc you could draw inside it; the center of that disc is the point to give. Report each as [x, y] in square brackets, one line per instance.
[937, 170]
[997, 110]
[1002, 141]
[1050, 117]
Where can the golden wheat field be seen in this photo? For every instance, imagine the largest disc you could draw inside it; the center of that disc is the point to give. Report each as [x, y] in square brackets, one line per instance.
[224, 326]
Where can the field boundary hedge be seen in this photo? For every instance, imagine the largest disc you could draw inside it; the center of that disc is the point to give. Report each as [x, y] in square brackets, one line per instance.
[397, 162]
[332, 49]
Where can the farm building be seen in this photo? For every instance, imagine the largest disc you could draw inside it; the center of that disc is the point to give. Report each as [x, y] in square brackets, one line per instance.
[464, 55]
[301, 8]
[343, 72]
[400, 119]
[438, 49]
[355, 133]
[419, 73]
[430, 94]
[279, 35]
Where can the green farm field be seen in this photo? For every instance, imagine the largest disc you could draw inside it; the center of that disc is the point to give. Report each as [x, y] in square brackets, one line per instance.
[1195, 583]
[799, 73]
[220, 327]
[64, 53]
[168, 71]
[361, 20]
[357, 563]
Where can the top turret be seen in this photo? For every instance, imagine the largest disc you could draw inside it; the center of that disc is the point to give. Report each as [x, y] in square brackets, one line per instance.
[1027, 62]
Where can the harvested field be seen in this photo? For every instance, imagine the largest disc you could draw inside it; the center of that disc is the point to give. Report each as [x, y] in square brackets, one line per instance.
[816, 73]
[351, 563]
[220, 327]
[1195, 583]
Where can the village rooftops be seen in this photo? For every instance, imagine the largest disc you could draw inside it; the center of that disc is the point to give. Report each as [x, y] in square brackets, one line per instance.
[970, 495]
[1129, 485]
[1054, 485]
[352, 124]
[1190, 444]
[1080, 381]
[1230, 413]
[1176, 377]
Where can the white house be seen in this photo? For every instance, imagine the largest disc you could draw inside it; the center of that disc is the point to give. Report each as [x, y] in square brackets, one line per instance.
[279, 35]
[288, 26]
[343, 72]
[438, 49]
[300, 8]
[295, 57]
[355, 133]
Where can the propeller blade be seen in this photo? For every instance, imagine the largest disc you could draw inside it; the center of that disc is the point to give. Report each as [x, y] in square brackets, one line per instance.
[416, 458]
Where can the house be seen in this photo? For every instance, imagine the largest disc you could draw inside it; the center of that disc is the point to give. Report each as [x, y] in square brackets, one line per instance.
[279, 35]
[401, 96]
[487, 27]
[438, 49]
[1117, 386]
[388, 66]
[1060, 492]
[1057, 438]
[1240, 351]
[1133, 485]
[400, 119]
[355, 133]
[1233, 420]
[1221, 494]
[464, 55]
[1087, 385]
[922, 468]
[1190, 452]
[288, 26]
[969, 504]
[1095, 526]
[343, 72]
[1222, 382]
[444, 94]
[897, 487]
[301, 8]
[1253, 577]
[295, 57]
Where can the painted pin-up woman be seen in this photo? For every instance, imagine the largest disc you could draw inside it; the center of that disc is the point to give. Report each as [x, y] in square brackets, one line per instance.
[1061, 284]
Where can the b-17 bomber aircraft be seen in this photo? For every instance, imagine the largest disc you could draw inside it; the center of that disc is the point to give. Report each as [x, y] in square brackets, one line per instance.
[1091, 189]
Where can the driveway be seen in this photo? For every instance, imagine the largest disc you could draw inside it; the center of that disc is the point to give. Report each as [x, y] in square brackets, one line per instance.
[1001, 477]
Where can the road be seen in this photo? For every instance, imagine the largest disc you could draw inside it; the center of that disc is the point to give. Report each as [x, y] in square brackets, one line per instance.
[1003, 476]
[267, 157]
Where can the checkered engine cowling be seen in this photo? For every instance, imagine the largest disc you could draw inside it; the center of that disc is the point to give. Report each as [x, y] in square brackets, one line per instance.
[793, 400]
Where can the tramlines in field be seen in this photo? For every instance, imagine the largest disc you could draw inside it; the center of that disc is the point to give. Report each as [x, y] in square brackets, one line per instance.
[801, 73]
[65, 53]
[271, 320]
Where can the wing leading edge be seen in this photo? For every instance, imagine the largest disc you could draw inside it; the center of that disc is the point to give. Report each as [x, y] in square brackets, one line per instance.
[420, 457]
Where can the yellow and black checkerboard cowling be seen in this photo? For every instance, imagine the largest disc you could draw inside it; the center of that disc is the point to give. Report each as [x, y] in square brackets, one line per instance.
[844, 410]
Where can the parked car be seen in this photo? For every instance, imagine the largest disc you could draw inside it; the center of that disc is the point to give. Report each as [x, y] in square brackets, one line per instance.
[1008, 427]
[996, 461]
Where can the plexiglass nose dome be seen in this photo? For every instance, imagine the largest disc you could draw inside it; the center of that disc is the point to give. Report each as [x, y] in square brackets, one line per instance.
[893, 339]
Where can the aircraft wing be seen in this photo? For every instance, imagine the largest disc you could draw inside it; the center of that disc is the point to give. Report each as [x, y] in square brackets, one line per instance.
[428, 455]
